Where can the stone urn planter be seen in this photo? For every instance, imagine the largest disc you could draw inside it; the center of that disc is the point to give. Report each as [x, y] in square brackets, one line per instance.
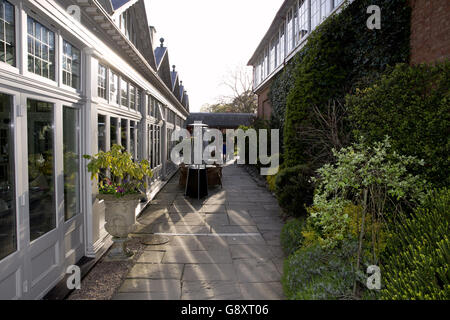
[120, 216]
[121, 184]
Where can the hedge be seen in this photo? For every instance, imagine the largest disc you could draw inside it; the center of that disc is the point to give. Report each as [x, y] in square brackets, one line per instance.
[412, 106]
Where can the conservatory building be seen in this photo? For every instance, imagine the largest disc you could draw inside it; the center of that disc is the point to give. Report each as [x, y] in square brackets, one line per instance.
[76, 77]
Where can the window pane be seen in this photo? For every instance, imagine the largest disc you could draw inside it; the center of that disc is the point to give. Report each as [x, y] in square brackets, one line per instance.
[124, 93]
[113, 87]
[8, 239]
[101, 133]
[71, 163]
[71, 66]
[41, 50]
[102, 81]
[123, 133]
[40, 168]
[113, 131]
[132, 138]
[132, 97]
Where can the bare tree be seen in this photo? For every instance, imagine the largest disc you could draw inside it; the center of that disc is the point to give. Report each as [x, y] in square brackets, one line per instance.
[241, 98]
[326, 129]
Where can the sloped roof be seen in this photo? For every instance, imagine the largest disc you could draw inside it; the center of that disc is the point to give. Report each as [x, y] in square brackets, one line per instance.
[181, 91]
[117, 4]
[159, 55]
[222, 120]
[174, 76]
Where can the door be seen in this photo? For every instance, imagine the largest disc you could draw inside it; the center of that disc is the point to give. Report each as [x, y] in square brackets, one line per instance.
[43, 255]
[11, 240]
[73, 233]
[40, 149]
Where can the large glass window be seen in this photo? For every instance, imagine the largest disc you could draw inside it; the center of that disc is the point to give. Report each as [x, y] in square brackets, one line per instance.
[138, 99]
[296, 26]
[158, 145]
[71, 154]
[315, 13]
[290, 31]
[282, 45]
[7, 34]
[133, 139]
[101, 81]
[41, 182]
[123, 133]
[101, 133]
[266, 62]
[303, 19]
[324, 9]
[41, 50]
[123, 93]
[113, 131]
[150, 106]
[113, 87]
[263, 75]
[8, 237]
[273, 54]
[71, 65]
[150, 146]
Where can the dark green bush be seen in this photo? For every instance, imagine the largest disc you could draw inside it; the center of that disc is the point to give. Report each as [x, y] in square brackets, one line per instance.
[291, 235]
[294, 190]
[314, 273]
[418, 255]
[412, 106]
[340, 54]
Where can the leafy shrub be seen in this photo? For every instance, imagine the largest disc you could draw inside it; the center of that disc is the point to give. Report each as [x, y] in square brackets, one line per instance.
[418, 255]
[271, 182]
[373, 177]
[292, 235]
[412, 106]
[316, 273]
[294, 190]
[339, 54]
[126, 176]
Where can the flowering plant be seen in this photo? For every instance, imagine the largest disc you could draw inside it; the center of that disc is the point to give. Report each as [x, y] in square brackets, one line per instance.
[117, 173]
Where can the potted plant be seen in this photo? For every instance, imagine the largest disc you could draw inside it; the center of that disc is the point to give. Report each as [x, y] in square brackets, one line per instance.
[121, 184]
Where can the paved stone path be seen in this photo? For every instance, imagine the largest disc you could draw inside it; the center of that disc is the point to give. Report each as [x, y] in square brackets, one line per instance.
[224, 247]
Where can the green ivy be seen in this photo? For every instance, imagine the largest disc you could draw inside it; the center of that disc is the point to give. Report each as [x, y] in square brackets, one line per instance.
[340, 54]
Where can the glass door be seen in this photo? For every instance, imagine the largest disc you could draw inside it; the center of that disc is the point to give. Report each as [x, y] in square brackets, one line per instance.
[71, 154]
[11, 240]
[41, 157]
[8, 230]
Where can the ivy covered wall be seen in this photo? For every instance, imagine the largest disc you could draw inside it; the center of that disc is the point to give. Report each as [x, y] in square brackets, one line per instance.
[341, 55]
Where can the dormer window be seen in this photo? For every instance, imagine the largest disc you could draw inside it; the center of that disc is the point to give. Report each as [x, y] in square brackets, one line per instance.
[126, 26]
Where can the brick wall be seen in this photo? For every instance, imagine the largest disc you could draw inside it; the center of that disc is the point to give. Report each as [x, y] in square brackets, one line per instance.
[264, 105]
[430, 31]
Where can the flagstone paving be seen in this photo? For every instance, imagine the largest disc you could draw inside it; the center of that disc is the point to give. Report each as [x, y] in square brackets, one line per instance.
[224, 247]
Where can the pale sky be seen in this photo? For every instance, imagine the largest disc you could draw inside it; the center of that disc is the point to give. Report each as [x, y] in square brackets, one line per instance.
[208, 39]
